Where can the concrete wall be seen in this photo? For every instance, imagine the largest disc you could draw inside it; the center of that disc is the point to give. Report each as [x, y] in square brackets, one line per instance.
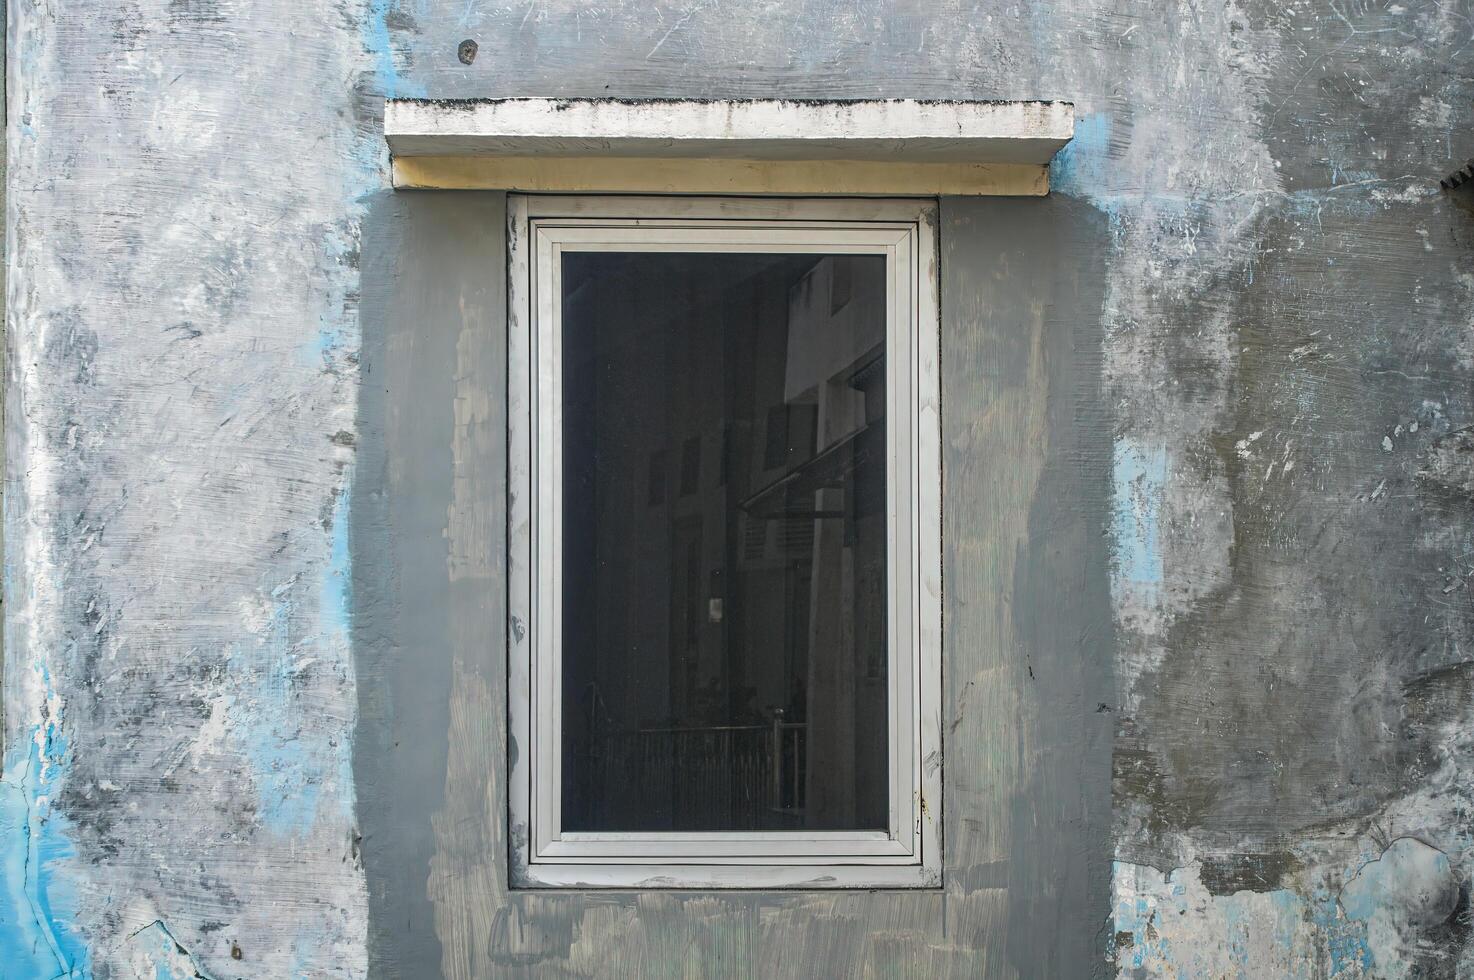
[1208, 495]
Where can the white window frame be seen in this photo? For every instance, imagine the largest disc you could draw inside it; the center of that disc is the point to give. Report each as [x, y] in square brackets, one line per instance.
[908, 853]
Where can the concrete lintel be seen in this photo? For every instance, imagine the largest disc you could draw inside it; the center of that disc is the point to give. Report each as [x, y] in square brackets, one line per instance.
[891, 130]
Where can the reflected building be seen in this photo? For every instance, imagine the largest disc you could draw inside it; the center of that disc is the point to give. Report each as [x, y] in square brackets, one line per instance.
[724, 542]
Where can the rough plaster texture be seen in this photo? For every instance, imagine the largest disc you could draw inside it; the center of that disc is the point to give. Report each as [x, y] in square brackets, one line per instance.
[1207, 413]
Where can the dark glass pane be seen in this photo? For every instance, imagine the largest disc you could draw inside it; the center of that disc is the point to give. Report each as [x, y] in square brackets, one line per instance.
[724, 633]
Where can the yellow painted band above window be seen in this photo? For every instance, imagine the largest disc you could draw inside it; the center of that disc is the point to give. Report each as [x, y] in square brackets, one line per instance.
[719, 176]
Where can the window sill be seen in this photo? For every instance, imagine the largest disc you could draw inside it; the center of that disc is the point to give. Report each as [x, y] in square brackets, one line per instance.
[725, 877]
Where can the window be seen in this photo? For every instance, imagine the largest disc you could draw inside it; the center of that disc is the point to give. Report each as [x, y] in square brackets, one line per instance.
[724, 664]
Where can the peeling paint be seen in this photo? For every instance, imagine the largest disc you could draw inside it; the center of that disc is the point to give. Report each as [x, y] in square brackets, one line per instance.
[153, 953]
[1171, 926]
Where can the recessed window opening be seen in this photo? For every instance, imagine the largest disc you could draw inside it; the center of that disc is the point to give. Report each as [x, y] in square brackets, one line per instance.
[728, 667]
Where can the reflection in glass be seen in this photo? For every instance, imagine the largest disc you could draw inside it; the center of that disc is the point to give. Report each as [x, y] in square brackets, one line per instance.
[724, 542]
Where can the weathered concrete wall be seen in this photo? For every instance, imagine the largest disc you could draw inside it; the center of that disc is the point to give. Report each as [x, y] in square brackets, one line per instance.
[1208, 495]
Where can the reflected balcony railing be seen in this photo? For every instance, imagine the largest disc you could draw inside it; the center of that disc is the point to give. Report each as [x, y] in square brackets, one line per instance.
[718, 777]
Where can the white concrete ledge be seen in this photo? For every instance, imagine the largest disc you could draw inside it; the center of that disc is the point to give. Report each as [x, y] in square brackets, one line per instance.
[764, 137]
[892, 129]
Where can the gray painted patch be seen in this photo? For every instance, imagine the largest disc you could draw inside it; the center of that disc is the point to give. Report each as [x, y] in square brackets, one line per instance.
[1012, 821]
[431, 268]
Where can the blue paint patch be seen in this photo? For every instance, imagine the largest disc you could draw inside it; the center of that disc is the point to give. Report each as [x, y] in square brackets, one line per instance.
[380, 45]
[315, 353]
[335, 612]
[328, 349]
[39, 936]
[294, 757]
[1237, 928]
[1288, 913]
[1345, 940]
[370, 151]
[263, 705]
[1079, 169]
[1140, 484]
[334, 596]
